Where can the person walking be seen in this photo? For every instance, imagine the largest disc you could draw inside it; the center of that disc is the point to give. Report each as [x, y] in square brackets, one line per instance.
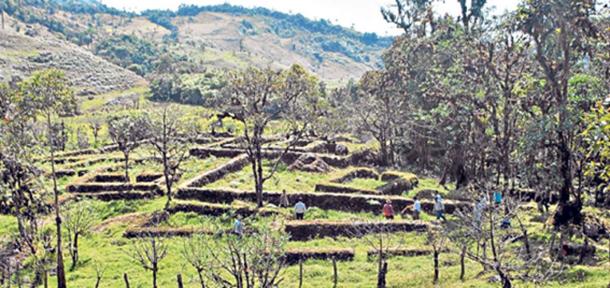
[388, 210]
[439, 207]
[284, 203]
[238, 226]
[416, 208]
[299, 209]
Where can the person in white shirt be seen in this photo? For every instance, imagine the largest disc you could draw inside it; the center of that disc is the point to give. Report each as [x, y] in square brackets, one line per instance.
[238, 226]
[299, 209]
[416, 208]
[439, 208]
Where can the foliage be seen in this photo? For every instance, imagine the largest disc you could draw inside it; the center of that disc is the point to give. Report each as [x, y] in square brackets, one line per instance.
[198, 89]
[129, 52]
[256, 97]
[127, 132]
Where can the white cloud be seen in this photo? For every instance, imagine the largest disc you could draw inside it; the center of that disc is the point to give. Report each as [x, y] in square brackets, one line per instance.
[364, 15]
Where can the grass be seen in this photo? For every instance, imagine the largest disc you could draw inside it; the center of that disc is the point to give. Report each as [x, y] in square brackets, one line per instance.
[430, 184]
[291, 181]
[365, 183]
[106, 247]
[111, 250]
[8, 225]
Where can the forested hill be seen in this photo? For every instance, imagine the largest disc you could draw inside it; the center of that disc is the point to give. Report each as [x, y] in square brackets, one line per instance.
[220, 36]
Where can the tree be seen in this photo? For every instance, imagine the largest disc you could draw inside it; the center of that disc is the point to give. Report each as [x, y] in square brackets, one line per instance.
[170, 141]
[436, 238]
[381, 240]
[127, 131]
[244, 262]
[256, 97]
[561, 31]
[22, 193]
[195, 253]
[78, 219]
[96, 125]
[148, 252]
[410, 15]
[380, 111]
[513, 255]
[48, 92]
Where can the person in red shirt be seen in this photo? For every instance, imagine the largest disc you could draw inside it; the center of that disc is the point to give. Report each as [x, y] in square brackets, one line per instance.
[388, 210]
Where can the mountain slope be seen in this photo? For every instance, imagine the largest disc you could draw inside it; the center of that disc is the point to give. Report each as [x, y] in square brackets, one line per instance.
[27, 48]
[221, 36]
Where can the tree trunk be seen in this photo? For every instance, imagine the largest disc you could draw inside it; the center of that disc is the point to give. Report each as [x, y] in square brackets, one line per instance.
[436, 269]
[61, 274]
[259, 188]
[127, 167]
[335, 274]
[74, 252]
[126, 279]
[300, 273]
[168, 181]
[462, 264]
[381, 282]
[201, 281]
[97, 282]
[154, 272]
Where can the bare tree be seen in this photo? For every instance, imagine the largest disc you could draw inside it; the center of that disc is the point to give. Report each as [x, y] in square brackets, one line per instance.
[437, 239]
[78, 219]
[489, 226]
[257, 97]
[381, 240]
[99, 273]
[244, 262]
[195, 253]
[82, 140]
[127, 131]
[167, 135]
[96, 125]
[148, 251]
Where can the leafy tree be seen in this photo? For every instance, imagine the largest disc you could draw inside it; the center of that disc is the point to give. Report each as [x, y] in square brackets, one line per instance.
[21, 194]
[129, 52]
[560, 30]
[380, 111]
[127, 131]
[49, 94]
[256, 97]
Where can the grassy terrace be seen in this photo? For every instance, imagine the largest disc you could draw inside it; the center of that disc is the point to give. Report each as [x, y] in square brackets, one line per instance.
[107, 246]
[295, 180]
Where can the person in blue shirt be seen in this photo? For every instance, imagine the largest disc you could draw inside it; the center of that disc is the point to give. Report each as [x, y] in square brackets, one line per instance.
[498, 197]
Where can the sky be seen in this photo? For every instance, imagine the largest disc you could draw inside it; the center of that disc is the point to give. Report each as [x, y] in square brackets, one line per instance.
[364, 15]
